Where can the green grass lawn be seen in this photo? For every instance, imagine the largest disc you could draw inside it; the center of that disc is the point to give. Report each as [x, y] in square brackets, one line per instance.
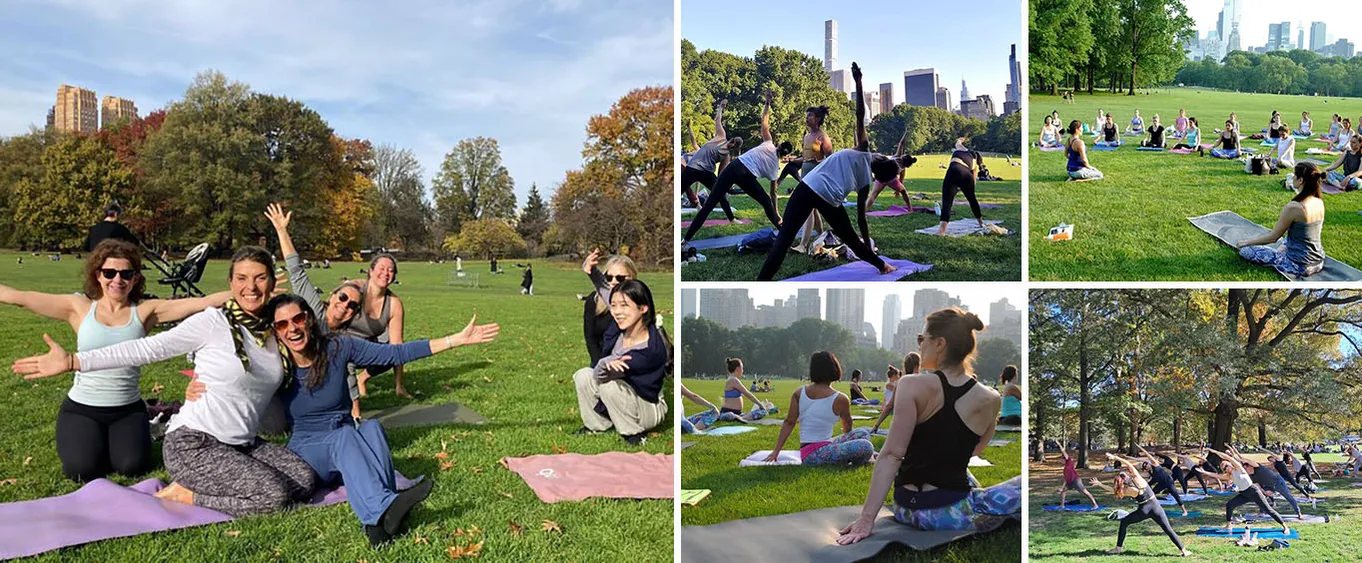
[973, 258]
[522, 382]
[1076, 536]
[1133, 225]
[712, 463]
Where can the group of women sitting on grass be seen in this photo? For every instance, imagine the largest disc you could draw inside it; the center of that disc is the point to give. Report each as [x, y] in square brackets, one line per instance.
[249, 347]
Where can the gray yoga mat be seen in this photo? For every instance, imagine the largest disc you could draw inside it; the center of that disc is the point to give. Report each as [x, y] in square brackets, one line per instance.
[960, 227]
[802, 536]
[685, 445]
[422, 415]
[1290, 519]
[770, 421]
[1228, 227]
[717, 242]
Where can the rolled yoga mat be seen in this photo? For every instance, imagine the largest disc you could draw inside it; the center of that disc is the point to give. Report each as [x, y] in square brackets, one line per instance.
[863, 271]
[423, 415]
[804, 536]
[1228, 227]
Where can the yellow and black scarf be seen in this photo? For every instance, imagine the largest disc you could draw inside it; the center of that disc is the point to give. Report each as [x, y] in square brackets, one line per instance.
[260, 330]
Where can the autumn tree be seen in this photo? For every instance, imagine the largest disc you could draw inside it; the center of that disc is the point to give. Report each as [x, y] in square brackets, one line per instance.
[482, 237]
[21, 160]
[81, 174]
[473, 184]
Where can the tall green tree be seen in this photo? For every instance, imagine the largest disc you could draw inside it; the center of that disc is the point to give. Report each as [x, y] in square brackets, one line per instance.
[1153, 33]
[473, 184]
[1061, 35]
[534, 219]
[81, 174]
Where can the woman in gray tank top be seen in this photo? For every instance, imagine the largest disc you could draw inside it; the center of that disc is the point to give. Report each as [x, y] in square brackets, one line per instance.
[715, 152]
[102, 425]
[1301, 221]
[380, 319]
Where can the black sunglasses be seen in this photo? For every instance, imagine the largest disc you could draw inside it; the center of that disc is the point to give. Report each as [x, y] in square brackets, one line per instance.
[109, 273]
[618, 279]
[351, 305]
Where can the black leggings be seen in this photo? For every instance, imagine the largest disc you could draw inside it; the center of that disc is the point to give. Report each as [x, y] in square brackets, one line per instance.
[1149, 511]
[1181, 146]
[689, 176]
[735, 173]
[1013, 420]
[1187, 474]
[1253, 495]
[958, 178]
[95, 441]
[791, 170]
[1151, 144]
[1166, 484]
[1304, 472]
[803, 202]
[1291, 480]
[1180, 477]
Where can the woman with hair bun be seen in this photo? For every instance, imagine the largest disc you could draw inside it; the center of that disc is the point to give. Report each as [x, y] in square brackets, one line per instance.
[1301, 221]
[942, 419]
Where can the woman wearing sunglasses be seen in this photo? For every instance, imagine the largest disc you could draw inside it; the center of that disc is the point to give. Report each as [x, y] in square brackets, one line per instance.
[211, 448]
[336, 446]
[102, 425]
[345, 301]
[596, 318]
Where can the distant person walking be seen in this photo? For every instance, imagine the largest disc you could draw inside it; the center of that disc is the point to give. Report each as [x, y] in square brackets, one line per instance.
[110, 228]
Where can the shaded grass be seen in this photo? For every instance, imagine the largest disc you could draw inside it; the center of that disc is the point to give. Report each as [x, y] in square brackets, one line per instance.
[973, 258]
[522, 382]
[1068, 536]
[1133, 225]
[748, 492]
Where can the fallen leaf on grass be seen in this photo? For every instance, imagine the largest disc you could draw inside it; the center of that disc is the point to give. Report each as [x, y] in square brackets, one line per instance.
[559, 449]
[420, 539]
[473, 549]
[446, 465]
[441, 455]
[551, 526]
[572, 411]
[503, 463]
[474, 531]
[28, 459]
[507, 495]
[477, 471]
[487, 379]
[516, 529]
[459, 552]
[10, 481]
[489, 435]
[232, 533]
[157, 388]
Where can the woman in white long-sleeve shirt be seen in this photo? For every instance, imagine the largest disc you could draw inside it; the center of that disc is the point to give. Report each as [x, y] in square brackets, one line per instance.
[211, 449]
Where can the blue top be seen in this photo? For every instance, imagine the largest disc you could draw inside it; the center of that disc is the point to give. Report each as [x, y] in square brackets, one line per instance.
[1011, 406]
[328, 406]
[1075, 163]
[1303, 245]
[732, 393]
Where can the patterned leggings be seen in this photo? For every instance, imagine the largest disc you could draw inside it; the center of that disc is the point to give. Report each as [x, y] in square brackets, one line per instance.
[701, 420]
[984, 510]
[757, 413]
[256, 478]
[852, 448]
[1276, 257]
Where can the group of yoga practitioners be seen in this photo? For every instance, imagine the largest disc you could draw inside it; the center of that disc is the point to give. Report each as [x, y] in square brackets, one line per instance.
[254, 344]
[825, 178]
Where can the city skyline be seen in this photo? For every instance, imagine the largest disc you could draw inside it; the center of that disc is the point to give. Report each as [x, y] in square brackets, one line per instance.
[1255, 17]
[861, 37]
[371, 72]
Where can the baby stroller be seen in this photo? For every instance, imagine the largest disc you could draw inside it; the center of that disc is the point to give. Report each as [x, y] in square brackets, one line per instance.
[181, 276]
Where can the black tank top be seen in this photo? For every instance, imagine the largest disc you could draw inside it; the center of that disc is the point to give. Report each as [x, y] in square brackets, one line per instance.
[966, 157]
[941, 446]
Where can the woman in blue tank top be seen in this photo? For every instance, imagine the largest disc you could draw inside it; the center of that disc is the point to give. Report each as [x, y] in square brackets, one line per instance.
[925, 457]
[102, 425]
[1012, 410]
[1078, 166]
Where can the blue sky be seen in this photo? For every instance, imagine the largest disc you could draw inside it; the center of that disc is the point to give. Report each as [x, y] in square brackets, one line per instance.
[416, 74]
[1340, 18]
[960, 39]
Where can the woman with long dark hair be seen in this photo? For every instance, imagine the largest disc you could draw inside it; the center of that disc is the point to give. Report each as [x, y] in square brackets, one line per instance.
[624, 390]
[1301, 221]
[381, 319]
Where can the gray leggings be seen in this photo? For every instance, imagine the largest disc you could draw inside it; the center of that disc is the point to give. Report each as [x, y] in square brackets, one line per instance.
[257, 478]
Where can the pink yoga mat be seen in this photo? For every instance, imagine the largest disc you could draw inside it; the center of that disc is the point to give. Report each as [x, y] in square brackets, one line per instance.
[573, 477]
[719, 222]
[104, 510]
[1051, 149]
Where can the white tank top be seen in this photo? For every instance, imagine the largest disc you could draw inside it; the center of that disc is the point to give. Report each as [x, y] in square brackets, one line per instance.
[1241, 479]
[815, 417]
[762, 161]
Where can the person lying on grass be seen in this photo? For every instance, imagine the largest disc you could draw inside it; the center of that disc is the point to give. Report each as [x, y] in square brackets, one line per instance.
[1077, 152]
[826, 188]
[701, 421]
[1346, 171]
[624, 389]
[911, 362]
[211, 448]
[1302, 221]
[816, 407]
[1072, 480]
[339, 447]
[102, 425]
[1240, 472]
[1227, 145]
[734, 391]
[1131, 484]
[942, 418]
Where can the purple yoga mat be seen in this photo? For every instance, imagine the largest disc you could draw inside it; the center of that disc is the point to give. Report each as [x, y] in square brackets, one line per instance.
[1051, 149]
[1331, 189]
[718, 222]
[104, 510]
[862, 271]
[894, 211]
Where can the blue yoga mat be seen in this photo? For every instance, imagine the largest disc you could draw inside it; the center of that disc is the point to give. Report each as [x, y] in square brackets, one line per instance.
[1177, 514]
[718, 242]
[1105, 147]
[727, 430]
[1263, 533]
[1074, 508]
[862, 271]
[1213, 492]
[1185, 499]
[1150, 149]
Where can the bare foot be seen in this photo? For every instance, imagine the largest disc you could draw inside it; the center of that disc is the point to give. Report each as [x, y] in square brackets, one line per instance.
[888, 269]
[176, 493]
[1115, 550]
[403, 393]
[1186, 553]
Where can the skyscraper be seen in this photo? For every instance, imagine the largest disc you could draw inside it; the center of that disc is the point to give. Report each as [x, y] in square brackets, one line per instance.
[964, 91]
[1004, 322]
[886, 97]
[730, 308]
[810, 305]
[889, 320]
[688, 305]
[840, 80]
[76, 110]
[919, 87]
[1317, 37]
[1013, 94]
[1300, 36]
[943, 98]
[829, 45]
[1230, 25]
[1273, 31]
[980, 108]
[112, 109]
[872, 104]
[846, 307]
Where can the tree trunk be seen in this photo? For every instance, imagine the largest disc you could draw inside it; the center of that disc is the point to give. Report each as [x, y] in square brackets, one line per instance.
[1120, 435]
[1084, 394]
[1177, 432]
[1262, 433]
[1039, 431]
[1134, 62]
[1223, 425]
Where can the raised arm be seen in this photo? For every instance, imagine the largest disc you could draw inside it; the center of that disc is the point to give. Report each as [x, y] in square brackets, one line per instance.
[58, 307]
[898, 150]
[186, 337]
[766, 118]
[364, 353]
[173, 310]
[862, 141]
[719, 132]
[695, 143]
[297, 276]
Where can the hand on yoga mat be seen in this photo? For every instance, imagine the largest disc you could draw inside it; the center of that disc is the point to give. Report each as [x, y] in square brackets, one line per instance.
[774, 457]
[857, 531]
[55, 362]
